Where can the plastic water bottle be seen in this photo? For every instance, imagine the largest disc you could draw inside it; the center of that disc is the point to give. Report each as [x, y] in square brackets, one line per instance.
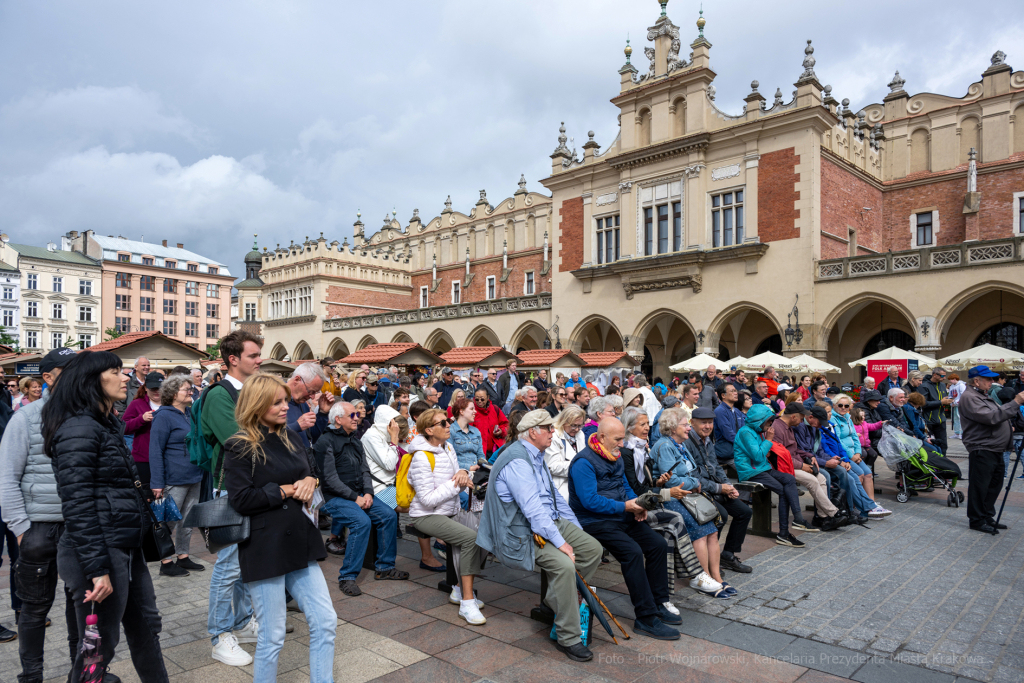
[92, 666]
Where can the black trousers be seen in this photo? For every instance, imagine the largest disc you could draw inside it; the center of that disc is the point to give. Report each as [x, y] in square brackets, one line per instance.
[784, 486]
[35, 574]
[938, 432]
[741, 515]
[985, 479]
[643, 554]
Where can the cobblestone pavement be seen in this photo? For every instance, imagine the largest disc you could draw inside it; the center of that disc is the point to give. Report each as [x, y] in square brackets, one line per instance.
[918, 597]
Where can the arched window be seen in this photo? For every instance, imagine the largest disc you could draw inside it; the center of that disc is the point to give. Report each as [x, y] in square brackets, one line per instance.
[919, 152]
[970, 136]
[772, 343]
[1007, 335]
[889, 338]
[644, 138]
[679, 117]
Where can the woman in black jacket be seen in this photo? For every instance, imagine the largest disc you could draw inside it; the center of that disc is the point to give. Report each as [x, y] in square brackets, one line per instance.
[268, 477]
[99, 555]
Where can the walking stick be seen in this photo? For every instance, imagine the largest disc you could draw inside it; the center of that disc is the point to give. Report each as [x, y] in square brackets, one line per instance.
[606, 610]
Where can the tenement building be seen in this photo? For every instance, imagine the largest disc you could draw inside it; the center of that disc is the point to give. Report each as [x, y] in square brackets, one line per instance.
[791, 223]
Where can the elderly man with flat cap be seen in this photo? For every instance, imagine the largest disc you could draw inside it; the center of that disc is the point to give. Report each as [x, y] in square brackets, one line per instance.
[525, 501]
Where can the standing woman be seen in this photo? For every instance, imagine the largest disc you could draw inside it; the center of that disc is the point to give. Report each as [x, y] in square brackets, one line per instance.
[172, 473]
[138, 421]
[99, 557]
[31, 390]
[268, 478]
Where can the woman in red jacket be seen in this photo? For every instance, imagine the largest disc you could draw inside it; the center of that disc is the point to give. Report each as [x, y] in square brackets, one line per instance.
[491, 422]
[138, 420]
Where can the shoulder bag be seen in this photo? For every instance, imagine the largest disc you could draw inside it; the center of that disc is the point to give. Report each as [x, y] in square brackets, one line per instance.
[702, 509]
[220, 524]
[157, 544]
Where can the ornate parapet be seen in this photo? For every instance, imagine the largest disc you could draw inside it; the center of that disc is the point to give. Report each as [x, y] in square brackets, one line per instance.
[952, 256]
[441, 313]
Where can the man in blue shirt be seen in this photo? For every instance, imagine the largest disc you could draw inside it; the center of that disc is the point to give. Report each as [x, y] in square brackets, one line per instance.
[606, 506]
[529, 503]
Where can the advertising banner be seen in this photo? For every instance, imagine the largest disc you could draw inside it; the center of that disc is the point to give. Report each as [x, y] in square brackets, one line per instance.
[879, 369]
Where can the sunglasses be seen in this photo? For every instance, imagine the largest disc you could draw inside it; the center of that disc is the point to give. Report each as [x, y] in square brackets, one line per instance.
[442, 423]
[842, 405]
[353, 416]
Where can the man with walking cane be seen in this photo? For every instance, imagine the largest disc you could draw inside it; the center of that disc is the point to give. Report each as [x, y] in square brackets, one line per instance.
[987, 434]
[523, 500]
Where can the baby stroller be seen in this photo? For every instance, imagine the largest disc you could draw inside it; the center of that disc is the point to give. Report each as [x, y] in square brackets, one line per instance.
[917, 468]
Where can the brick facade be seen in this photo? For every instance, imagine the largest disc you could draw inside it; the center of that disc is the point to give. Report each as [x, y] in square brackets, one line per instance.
[570, 235]
[844, 196]
[947, 196]
[365, 297]
[831, 248]
[777, 194]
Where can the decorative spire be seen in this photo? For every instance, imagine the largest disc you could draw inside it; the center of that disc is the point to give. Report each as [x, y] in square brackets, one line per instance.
[522, 184]
[808, 64]
[701, 22]
[415, 216]
[664, 7]
[778, 97]
[255, 246]
[628, 51]
[896, 84]
[562, 150]
[972, 171]
[448, 204]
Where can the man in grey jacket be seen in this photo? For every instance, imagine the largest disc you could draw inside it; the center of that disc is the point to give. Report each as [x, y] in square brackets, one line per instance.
[31, 509]
[135, 380]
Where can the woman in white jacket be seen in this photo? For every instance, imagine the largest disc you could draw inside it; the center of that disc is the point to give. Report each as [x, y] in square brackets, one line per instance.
[566, 442]
[437, 500]
[382, 453]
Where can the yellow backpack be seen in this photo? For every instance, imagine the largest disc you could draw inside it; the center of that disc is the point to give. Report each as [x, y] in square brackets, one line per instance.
[404, 492]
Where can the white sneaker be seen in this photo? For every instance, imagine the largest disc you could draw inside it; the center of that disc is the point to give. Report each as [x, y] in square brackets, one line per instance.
[672, 609]
[879, 512]
[456, 598]
[703, 583]
[471, 613]
[248, 633]
[227, 651]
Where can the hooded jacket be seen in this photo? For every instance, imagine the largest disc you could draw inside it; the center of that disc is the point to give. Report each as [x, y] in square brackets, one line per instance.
[847, 433]
[381, 455]
[933, 395]
[750, 450]
[436, 493]
[28, 489]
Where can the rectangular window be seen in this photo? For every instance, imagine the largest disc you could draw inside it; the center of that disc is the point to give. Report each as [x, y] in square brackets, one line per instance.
[456, 292]
[170, 286]
[648, 232]
[608, 239]
[85, 314]
[170, 328]
[124, 258]
[85, 287]
[193, 268]
[677, 226]
[191, 329]
[8, 293]
[528, 283]
[33, 281]
[192, 288]
[58, 284]
[212, 270]
[147, 261]
[170, 264]
[924, 229]
[250, 312]
[423, 297]
[212, 331]
[1020, 210]
[663, 229]
[58, 311]
[491, 287]
[84, 341]
[213, 291]
[122, 325]
[145, 304]
[8, 318]
[212, 310]
[147, 282]
[170, 306]
[192, 308]
[57, 340]
[32, 309]
[32, 340]
[727, 219]
[123, 280]
[122, 302]
[146, 324]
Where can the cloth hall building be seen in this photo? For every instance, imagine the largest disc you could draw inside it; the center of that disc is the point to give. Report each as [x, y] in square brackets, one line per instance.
[704, 226]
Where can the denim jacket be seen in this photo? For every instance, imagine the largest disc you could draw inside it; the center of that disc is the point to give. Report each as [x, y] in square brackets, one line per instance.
[666, 454]
[468, 445]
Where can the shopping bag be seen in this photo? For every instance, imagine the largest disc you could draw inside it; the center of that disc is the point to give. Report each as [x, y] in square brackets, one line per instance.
[165, 510]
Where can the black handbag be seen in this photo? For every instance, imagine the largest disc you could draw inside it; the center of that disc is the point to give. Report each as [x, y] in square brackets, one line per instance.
[157, 544]
[220, 524]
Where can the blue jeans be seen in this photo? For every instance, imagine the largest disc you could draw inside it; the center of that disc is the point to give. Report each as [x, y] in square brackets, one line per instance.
[859, 468]
[230, 604]
[849, 482]
[268, 600]
[358, 522]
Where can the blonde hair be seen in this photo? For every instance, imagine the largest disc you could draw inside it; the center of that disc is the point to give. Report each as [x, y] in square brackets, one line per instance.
[352, 377]
[257, 396]
[569, 414]
[426, 420]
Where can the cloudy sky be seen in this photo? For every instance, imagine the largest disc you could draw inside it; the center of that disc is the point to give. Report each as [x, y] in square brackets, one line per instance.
[206, 122]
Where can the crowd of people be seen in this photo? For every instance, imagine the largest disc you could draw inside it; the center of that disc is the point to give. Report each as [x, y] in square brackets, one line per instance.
[559, 474]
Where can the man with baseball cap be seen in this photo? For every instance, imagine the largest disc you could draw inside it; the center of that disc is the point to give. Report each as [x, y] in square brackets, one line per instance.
[525, 501]
[987, 433]
[446, 386]
[31, 510]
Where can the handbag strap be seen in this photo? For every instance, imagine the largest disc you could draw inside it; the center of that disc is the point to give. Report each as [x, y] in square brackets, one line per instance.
[138, 488]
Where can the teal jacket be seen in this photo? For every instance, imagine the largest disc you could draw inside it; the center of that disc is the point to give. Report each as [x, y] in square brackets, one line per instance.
[750, 450]
[846, 432]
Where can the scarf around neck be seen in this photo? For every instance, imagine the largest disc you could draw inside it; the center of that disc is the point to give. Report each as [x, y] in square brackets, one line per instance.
[640, 450]
[596, 446]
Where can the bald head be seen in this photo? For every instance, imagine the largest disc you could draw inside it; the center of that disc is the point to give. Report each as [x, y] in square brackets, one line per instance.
[610, 434]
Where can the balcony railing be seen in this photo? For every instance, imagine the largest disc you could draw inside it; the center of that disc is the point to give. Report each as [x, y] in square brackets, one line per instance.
[964, 255]
[439, 314]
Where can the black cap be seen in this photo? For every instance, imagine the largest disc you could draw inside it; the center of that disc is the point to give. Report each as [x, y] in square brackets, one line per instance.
[820, 413]
[832, 391]
[703, 414]
[57, 358]
[154, 380]
[796, 408]
[870, 395]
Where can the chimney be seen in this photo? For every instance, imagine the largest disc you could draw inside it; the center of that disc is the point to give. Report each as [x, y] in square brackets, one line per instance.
[180, 245]
[165, 243]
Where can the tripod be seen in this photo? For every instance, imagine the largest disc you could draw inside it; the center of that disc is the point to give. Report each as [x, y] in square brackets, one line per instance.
[1018, 443]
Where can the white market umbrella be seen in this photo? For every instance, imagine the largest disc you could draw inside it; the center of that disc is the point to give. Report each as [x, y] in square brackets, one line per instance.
[735, 362]
[896, 353]
[812, 364]
[699, 362]
[996, 357]
[762, 360]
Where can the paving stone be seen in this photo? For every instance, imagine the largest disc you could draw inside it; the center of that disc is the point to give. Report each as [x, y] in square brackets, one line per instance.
[750, 638]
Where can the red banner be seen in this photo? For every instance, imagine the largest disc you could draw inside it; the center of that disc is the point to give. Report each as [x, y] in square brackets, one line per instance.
[879, 369]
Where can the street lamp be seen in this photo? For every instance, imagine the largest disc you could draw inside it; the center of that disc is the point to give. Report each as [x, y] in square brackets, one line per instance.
[547, 336]
[792, 334]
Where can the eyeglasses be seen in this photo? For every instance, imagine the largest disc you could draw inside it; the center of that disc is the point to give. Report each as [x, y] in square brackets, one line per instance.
[574, 427]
